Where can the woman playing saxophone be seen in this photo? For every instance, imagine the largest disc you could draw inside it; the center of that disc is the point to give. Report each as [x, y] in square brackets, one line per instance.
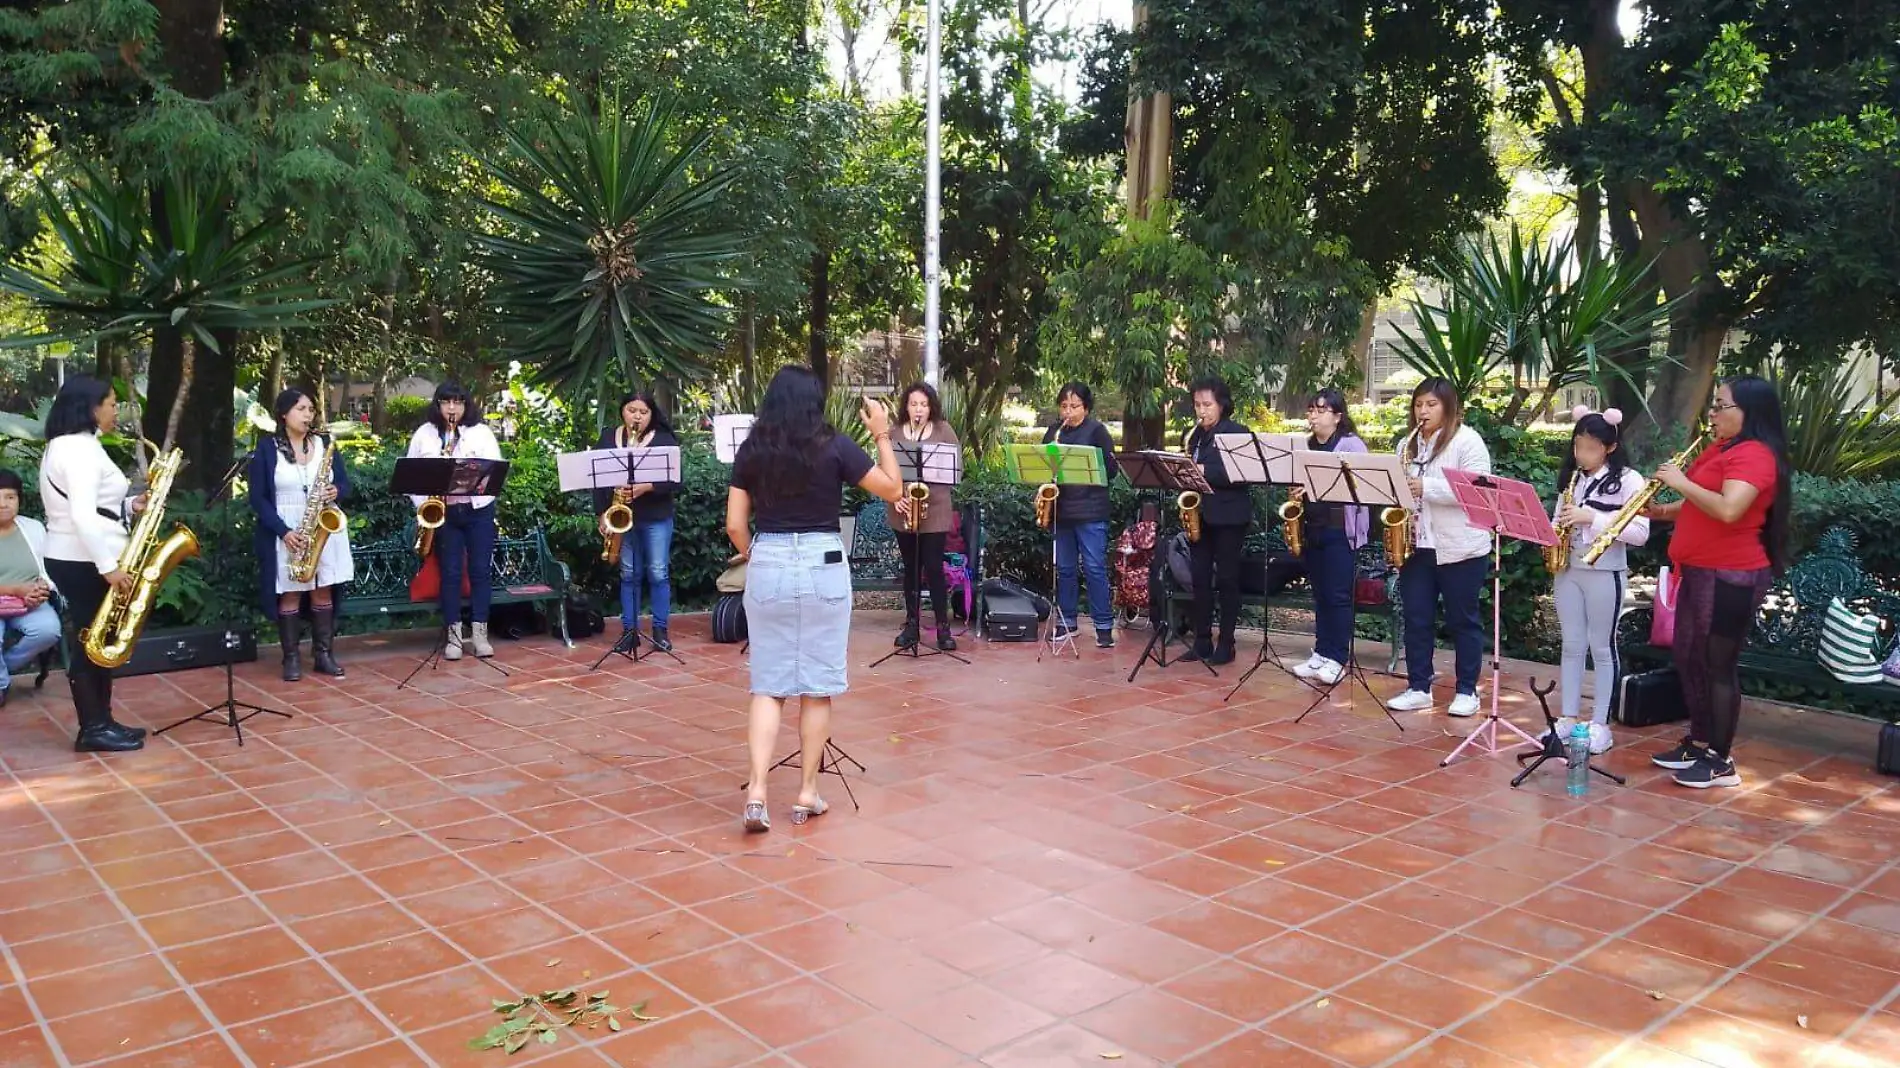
[87, 503]
[1225, 514]
[1330, 539]
[922, 526]
[465, 543]
[646, 550]
[285, 473]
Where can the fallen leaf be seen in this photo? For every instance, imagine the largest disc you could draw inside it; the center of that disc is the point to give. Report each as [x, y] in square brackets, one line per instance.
[385, 823]
[1656, 995]
[589, 975]
[613, 1023]
[1322, 1003]
[1274, 863]
[896, 738]
[1785, 964]
[851, 928]
[1803, 1021]
[1110, 1056]
[551, 963]
[1231, 811]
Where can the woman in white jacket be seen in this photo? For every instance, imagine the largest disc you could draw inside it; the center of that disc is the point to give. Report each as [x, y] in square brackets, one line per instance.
[1451, 558]
[26, 605]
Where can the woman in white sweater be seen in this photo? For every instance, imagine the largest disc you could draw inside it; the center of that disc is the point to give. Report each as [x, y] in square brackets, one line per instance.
[1450, 560]
[465, 544]
[86, 510]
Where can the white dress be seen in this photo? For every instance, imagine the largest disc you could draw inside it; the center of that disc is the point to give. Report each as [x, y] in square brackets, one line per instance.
[334, 567]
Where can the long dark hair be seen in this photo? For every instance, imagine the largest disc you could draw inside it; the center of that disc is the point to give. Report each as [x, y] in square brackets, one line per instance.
[447, 391]
[659, 421]
[1334, 401]
[1600, 428]
[285, 402]
[1761, 421]
[930, 394]
[1447, 395]
[780, 456]
[73, 406]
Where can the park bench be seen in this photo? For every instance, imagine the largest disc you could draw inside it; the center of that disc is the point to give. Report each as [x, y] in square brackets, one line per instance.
[1784, 647]
[525, 572]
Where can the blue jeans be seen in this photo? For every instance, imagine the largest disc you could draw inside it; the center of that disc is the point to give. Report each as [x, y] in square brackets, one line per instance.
[1331, 570]
[644, 551]
[1089, 543]
[466, 541]
[1423, 583]
[38, 631]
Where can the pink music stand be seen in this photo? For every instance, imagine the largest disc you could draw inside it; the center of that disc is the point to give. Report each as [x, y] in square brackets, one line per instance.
[1502, 506]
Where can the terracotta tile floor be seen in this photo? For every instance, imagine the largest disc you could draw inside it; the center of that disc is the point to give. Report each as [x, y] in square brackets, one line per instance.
[1051, 866]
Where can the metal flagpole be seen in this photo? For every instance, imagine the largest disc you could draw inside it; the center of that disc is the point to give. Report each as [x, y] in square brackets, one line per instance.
[933, 195]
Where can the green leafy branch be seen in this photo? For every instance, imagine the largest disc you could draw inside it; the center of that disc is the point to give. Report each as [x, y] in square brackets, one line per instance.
[540, 1018]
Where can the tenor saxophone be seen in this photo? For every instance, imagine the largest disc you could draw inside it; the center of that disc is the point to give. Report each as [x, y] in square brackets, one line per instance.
[1046, 504]
[319, 520]
[1557, 557]
[1635, 505]
[115, 628]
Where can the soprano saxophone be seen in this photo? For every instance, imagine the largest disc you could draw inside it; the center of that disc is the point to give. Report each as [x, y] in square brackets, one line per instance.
[319, 522]
[115, 628]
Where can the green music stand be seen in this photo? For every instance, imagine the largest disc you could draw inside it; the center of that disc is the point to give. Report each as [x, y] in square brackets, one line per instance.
[1064, 465]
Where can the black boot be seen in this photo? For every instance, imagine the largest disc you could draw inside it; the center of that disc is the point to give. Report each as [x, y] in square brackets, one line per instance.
[290, 636]
[1198, 649]
[660, 639]
[323, 642]
[1224, 649]
[97, 732]
[944, 641]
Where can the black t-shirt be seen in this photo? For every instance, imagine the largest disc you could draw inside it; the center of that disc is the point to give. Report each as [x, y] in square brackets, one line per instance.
[813, 508]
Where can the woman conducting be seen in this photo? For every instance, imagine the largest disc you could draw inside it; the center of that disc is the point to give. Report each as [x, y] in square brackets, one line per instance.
[788, 483]
[283, 472]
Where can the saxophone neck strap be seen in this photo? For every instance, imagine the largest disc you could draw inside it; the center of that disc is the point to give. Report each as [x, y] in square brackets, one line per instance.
[116, 517]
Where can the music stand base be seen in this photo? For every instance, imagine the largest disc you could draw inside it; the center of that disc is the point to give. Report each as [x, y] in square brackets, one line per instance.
[228, 713]
[435, 655]
[1355, 672]
[1163, 634]
[830, 762]
[916, 651]
[629, 647]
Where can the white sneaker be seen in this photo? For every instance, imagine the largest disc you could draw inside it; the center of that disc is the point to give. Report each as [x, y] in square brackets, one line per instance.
[452, 643]
[1601, 740]
[1465, 704]
[1329, 671]
[1564, 725]
[1410, 701]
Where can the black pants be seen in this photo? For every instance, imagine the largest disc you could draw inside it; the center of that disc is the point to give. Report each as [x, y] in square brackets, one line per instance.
[1423, 583]
[1715, 610]
[82, 586]
[466, 542]
[923, 556]
[1216, 565]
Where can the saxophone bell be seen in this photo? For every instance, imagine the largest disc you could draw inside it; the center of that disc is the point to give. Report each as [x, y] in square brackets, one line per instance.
[1190, 504]
[1046, 504]
[430, 514]
[617, 519]
[1293, 523]
[122, 615]
[1396, 524]
[918, 494]
[320, 521]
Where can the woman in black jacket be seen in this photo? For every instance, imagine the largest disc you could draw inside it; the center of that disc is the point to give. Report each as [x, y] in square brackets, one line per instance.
[281, 474]
[646, 549]
[1081, 522]
[1225, 514]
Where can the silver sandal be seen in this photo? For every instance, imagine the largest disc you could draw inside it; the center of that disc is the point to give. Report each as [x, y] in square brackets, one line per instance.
[801, 813]
[756, 821]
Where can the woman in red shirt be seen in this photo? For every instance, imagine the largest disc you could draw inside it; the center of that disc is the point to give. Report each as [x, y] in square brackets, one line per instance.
[1730, 544]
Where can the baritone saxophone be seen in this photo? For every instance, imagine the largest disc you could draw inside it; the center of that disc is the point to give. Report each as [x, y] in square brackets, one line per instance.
[115, 628]
[319, 521]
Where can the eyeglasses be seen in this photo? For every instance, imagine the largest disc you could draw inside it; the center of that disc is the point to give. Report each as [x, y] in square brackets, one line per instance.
[1718, 406]
[1311, 408]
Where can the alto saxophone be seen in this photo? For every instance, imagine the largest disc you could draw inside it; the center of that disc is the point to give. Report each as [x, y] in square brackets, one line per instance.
[1635, 505]
[1292, 523]
[1557, 557]
[319, 520]
[1190, 504]
[618, 519]
[121, 617]
[434, 511]
[918, 494]
[1397, 524]
[1046, 504]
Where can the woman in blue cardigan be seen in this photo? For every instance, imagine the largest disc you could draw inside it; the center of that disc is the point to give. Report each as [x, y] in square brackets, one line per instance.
[281, 473]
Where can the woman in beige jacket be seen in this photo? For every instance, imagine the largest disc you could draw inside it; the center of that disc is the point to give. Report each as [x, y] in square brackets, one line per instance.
[921, 533]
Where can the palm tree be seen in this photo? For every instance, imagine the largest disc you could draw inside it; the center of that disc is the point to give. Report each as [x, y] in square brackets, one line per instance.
[115, 276]
[611, 255]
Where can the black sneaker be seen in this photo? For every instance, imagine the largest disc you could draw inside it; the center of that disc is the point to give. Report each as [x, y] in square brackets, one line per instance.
[1105, 639]
[1681, 758]
[1709, 771]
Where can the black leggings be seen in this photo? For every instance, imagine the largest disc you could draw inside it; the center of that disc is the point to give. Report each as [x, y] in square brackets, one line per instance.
[1715, 610]
[927, 548]
[83, 589]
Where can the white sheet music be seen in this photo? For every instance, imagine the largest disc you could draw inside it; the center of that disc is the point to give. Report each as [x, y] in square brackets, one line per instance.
[1269, 463]
[593, 469]
[729, 432]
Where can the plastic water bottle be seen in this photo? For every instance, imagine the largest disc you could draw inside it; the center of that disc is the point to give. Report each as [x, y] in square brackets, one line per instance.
[1577, 751]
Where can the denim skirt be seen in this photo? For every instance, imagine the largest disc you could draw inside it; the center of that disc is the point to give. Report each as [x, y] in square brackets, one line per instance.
[798, 614]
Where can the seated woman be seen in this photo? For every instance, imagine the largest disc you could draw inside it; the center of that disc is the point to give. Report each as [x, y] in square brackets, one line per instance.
[27, 616]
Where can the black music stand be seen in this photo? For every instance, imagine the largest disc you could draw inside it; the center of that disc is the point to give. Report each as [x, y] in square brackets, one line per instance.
[447, 476]
[1253, 459]
[227, 709]
[1374, 481]
[1171, 472]
[933, 463]
[1553, 746]
[609, 469]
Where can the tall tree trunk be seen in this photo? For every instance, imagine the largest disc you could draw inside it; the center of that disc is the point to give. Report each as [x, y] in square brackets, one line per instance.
[1362, 346]
[749, 353]
[1683, 387]
[819, 319]
[1148, 136]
